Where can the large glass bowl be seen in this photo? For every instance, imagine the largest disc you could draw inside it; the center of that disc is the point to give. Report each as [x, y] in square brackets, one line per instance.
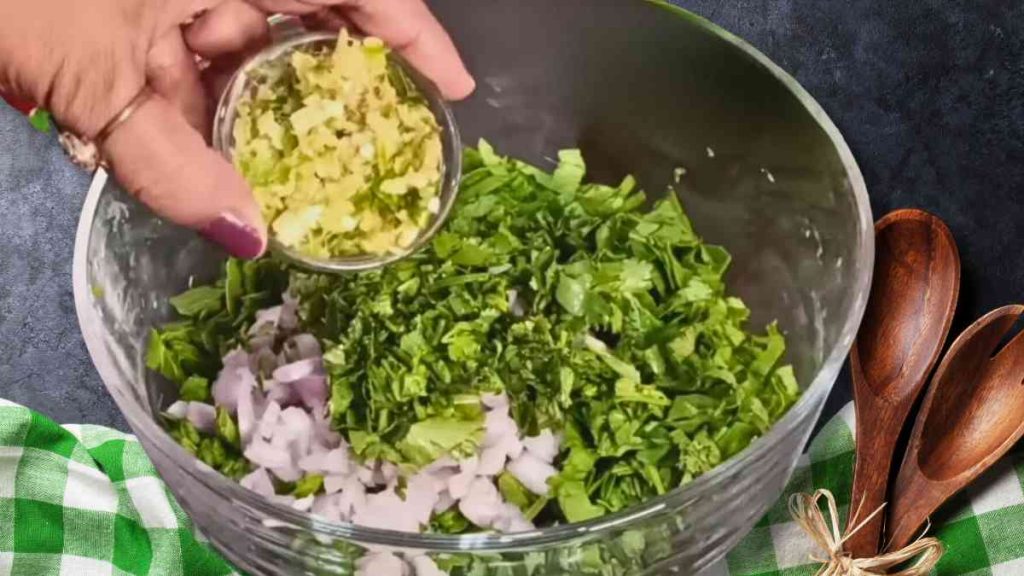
[642, 88]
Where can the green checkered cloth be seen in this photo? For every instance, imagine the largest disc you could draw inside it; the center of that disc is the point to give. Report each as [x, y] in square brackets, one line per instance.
[982, 529]
[85, 501]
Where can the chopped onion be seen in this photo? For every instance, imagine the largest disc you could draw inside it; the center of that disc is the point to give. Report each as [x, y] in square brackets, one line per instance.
[326, 506]
[532, 472]
[544, 446]
[312, 391]
[289, 319]
[386, 474]
[510, 519]
[458, 484]
[386, 511]
[283, 394]
[297, 428]
[269, 420]
[424, 566]
[177, 411]
[249, 402]
[367, 474]
[441, 463]
[303, 504]
[481, 503]
[444, 502]
[288, 473]
[322, 431]
[261, 453]
[381, 564]
[421, 494]
[285, 500]
[337, 461]
[335, 482]
[237, 358]
[495, 401]
[498, 426]
[353, 498]
[259, 482]
[266, 320]
[202, 416]
[492, 461]
[263, 361]
[231, 383]
[292, 372]
[303, 346]
[314, 462]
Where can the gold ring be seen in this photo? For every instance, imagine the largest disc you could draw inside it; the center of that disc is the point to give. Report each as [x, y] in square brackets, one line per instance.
[86, 153]
[141, 98]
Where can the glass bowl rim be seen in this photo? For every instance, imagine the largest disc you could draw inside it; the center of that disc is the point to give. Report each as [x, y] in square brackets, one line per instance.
[156, 438]
[451, 169]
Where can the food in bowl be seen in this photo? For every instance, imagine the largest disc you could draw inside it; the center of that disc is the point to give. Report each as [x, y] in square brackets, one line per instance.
[342, 151]
[557, 353]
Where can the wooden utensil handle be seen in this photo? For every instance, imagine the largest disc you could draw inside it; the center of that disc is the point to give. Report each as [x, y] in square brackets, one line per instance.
[870, 480]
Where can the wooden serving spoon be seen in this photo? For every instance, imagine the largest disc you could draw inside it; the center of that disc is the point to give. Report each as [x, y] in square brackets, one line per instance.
[972, 415]
[913, 297]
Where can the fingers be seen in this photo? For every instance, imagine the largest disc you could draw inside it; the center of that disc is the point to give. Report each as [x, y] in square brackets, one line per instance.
[297, 7]
[225, 36]
[165, 163]
[233, 27]
[171, 72]
[328, 19]
[410, 28]
[405, 25]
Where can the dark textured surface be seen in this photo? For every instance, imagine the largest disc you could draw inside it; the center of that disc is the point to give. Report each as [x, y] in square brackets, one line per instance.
[43, 361]
[929, 94]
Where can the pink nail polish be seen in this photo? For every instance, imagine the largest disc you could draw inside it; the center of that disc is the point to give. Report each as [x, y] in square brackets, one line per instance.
[237, 237]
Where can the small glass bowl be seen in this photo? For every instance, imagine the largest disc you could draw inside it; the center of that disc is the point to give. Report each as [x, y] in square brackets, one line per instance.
[451, 146]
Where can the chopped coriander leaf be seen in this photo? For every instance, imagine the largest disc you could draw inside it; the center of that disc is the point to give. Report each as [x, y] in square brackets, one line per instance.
[185, 434]
[308, 485]
[202, 300]
[450, 521]
[227, 429]
[212, 452]
[514, 492]
[428, 440]
[195, 389]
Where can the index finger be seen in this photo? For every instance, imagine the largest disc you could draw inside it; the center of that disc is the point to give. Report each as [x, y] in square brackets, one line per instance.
[411, 29]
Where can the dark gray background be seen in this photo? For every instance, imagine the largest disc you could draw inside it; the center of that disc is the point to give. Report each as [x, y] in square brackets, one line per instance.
[929, 94]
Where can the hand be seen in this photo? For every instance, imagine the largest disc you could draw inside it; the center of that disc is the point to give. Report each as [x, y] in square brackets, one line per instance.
[84, 61]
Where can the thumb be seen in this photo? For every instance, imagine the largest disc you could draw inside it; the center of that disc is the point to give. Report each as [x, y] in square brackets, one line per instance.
[159, 158]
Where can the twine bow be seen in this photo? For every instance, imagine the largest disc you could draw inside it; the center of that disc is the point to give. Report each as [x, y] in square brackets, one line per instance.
[919, 557]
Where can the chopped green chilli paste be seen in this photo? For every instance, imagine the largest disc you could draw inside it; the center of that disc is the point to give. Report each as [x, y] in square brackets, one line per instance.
[343, 153]
[562, 350]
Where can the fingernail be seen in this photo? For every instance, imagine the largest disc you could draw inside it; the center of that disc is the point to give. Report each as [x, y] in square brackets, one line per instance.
[468, 86]
[238, 238]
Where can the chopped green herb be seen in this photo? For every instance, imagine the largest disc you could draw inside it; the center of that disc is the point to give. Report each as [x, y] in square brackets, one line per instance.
[199, 301]
[601, 320]
[514, 492]
[227, 429]
[430, 439]
[195, 389]
[450, 521]
[41, 120]
[308, 485]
